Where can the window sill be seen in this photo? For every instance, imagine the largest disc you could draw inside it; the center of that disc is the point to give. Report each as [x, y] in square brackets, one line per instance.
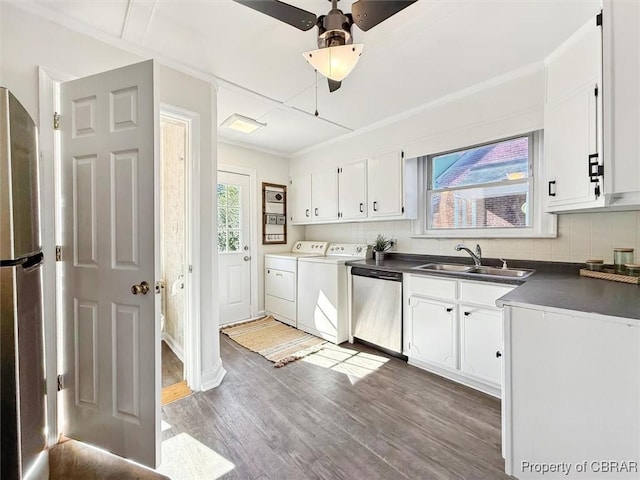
[481, 233]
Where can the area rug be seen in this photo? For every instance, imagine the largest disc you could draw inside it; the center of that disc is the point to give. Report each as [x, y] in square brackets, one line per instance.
[175, 392]
[274, 340]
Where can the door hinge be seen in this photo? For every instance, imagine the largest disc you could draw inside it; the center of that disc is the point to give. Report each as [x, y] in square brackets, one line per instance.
[60, 383]
[402, 209]
[599, 19]
[596, 191]
[595, 169]
[402, 154]
[56, 121]
[190, 268]
[595, 91]
[58, 253]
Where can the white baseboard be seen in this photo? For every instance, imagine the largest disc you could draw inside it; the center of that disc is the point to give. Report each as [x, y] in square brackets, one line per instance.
[173, 345]
[212, 378]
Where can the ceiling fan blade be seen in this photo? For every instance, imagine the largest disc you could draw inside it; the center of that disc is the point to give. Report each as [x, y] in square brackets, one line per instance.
[369, 13]
[294, 16]
[333, 85]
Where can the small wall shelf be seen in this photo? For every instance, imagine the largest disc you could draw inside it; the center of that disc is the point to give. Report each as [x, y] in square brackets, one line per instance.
[274, 214]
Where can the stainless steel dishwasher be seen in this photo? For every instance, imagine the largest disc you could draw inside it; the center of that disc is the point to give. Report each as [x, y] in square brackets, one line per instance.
[377, 308]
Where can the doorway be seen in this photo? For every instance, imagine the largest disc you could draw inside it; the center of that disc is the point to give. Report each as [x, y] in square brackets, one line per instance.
[174, 265]
[235, 246]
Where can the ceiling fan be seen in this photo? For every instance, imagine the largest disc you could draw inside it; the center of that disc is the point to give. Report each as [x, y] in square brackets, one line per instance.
[337, 55]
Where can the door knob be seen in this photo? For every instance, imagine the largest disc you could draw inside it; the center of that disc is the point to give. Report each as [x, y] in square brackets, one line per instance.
[142, 288]
[247, 258]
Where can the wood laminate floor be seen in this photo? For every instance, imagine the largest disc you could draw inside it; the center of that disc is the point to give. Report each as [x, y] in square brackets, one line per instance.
[305, 421]
[172, 367]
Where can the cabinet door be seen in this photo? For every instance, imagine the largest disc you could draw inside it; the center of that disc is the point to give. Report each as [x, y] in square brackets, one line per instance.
[352, 194]
[300, 199]
[573, 121]
[433, 333]
[324, 195]
[385, 190]
[481, 343]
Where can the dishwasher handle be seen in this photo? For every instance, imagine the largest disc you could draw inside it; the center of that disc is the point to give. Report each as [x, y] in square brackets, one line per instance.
[379, 274]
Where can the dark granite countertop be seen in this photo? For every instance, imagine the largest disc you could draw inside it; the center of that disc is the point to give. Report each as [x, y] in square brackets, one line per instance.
[554, 285]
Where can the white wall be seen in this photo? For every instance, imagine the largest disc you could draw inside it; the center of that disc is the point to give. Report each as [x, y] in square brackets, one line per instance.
[506, 106]
[580, 236]
[29, 41]
[484, 113]
[269, 168]
[180, 90]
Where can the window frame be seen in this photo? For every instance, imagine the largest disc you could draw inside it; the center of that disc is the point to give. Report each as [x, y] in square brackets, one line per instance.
[226, 207]
[541, 224]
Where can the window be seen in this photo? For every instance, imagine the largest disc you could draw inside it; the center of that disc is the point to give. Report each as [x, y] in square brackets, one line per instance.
[484, 187]
[229, 218]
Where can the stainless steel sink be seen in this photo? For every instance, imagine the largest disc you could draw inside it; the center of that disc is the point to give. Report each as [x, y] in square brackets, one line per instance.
[501, 272]
[445, 267]
[489, 271]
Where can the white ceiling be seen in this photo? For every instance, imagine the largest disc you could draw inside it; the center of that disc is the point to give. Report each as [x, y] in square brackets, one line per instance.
[428, 50]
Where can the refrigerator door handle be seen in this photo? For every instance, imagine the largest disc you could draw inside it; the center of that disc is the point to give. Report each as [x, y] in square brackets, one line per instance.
[28, 263]
[33, 262]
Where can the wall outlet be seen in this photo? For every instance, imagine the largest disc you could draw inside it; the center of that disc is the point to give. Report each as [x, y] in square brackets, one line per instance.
[394, 244]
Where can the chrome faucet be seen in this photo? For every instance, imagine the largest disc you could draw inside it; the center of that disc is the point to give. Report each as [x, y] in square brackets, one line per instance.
[477, 257]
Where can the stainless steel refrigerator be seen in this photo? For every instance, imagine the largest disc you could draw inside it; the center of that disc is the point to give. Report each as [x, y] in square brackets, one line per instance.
[22, 387]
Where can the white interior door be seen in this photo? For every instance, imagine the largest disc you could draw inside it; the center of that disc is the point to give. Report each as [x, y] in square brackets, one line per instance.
[110, 228]
[234, 253]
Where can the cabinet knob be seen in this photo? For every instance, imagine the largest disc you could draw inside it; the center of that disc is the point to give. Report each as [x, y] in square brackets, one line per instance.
[362, 208]
[449, 309]
[316, 211]
[306, 212]
[375, 206]
[466, 314]
[498, 354]
[552, 182]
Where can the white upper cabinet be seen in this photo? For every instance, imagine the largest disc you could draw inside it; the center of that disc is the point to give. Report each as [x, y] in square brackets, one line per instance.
[592, 114]
[324, 195]
[573, 121]
[385, 184]
[352, 190]
[384, 187]
[621, 29]
[300, 199]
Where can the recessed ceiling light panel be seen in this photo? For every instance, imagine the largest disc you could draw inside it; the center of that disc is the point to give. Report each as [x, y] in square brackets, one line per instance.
[242, 124]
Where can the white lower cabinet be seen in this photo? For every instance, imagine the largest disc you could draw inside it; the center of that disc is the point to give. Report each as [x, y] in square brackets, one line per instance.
[453, 328]
[481, 343]
[571, 394]
[433, 334]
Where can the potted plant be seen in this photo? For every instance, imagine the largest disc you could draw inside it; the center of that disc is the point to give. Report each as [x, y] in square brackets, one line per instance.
[379, 246]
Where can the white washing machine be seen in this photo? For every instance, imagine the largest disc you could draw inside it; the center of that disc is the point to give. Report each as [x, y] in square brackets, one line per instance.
[322, 291]
[281, 279]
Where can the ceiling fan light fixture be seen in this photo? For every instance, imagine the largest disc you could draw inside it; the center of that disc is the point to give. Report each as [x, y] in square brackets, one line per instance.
[335, 62]
[242, 124]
